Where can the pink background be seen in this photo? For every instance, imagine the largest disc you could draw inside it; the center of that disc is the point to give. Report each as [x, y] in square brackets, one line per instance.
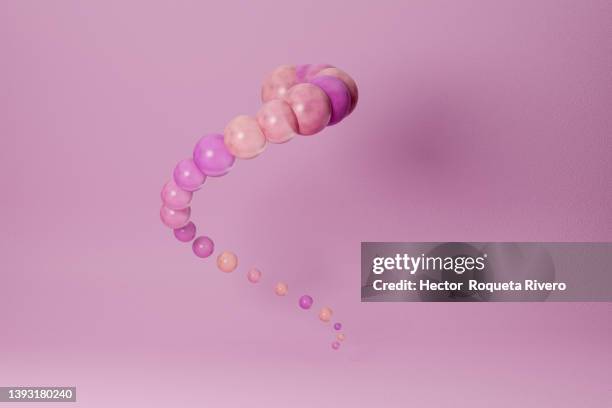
[478, 121]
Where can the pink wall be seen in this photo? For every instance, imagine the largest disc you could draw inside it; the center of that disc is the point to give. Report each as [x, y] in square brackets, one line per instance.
[477, 121]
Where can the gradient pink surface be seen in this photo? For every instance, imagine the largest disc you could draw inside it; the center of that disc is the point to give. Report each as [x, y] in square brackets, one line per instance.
[477, 121]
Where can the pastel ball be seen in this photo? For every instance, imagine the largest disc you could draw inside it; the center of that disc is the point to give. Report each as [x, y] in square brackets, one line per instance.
[227, 261]
[340, 337]
[174, 218]
[325, 314]
[335, 345]
[310, 106]
[203, 247]
[244, 138]
[337, 326]
[186, 232]
[254, 275]
[188, 176]
[306, 72]
[338, 94]
[305, 302]
[175, 197]
[277, 121]
[212, 156]
[277, 84]
[348, 81]
[281, 289]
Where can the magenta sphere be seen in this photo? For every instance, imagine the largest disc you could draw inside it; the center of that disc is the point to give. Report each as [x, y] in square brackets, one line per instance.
[186, 232]
[337, 326]
[335, 345]
[305, 302]
[188, 176]
[175, 197]
[338, 94]
[203, 247]
[212, 157]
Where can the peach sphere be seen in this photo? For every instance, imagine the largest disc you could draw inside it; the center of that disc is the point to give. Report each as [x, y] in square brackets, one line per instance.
[281, 289]
[227, 261]
[244, 138]
[325, 314]
[340, 337]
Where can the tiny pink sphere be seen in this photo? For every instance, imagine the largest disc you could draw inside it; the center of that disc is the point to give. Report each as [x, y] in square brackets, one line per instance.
[348, 81]
[243, 137]
[254, 275]
[277, 84]
[186, 232]
[277, 121]
[175, 197]
[188, 176]
[203, 247]
[174, 218]
[310, 106]
[335, 345]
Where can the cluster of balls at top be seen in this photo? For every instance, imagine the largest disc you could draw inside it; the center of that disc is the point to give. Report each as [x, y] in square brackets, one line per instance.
[301, 99]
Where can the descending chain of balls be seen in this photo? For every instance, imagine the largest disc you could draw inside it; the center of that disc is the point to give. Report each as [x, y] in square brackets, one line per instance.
[301, 100]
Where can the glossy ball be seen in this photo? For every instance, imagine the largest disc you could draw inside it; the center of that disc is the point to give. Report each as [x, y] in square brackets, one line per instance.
[277, 84]
[175, 197]
[174, 218]
[212, 156]
[325, 314]
[348, 81]
[305, 302]
[186, 232]
[340, 337]
[244, 138]
[203, 247]
[254, 275]
[277, 121]
[335, 345]
[188, 176]
[306, 72]
[337, 326]
[338, 94]
[310, 106]
[281, 289]
[227, 261]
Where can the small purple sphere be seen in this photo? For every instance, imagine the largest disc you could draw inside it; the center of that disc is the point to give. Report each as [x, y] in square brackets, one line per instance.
[185, 233]
[338, 94]
[212, 157]
[203, 247]
[337, 326]
[305, 302]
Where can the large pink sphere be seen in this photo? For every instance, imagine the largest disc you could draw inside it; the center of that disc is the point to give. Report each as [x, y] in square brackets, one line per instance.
[310, 106]
[277, 121]
[188, 176]
[243, 137]
[348, 81]
[175, 197]
[277, 84]
[174, 218]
